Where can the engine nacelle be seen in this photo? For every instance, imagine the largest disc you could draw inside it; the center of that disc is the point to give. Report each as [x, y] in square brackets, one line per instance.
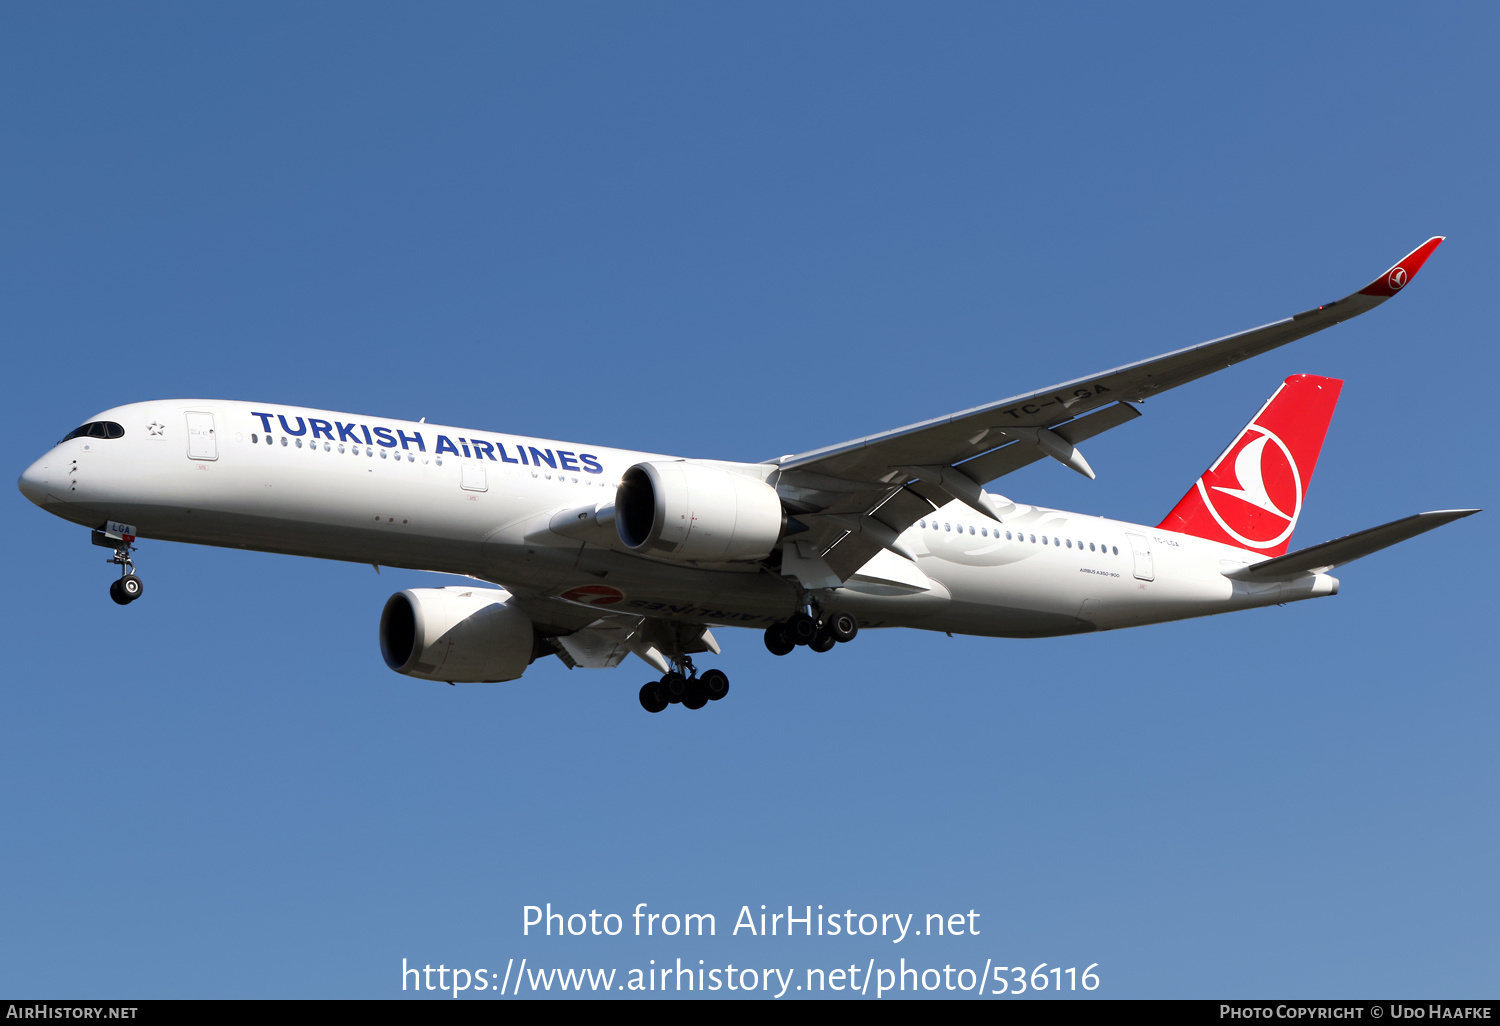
[456, 634]
[694, 512]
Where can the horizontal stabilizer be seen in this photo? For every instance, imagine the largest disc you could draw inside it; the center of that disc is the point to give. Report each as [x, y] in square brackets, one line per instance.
[1319, 558]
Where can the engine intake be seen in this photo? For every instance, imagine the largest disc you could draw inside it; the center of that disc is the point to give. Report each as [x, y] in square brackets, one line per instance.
[467, 635]
[694, 512]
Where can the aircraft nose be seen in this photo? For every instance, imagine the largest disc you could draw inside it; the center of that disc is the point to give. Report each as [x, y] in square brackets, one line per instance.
[34, 481]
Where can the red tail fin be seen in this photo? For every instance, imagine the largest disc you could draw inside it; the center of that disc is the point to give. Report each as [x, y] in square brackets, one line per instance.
[1253, 493]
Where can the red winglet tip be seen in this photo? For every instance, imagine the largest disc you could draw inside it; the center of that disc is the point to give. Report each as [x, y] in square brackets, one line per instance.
[1405, 269]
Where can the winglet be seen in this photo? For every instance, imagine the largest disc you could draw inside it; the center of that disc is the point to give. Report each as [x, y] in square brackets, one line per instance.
[1394, 280]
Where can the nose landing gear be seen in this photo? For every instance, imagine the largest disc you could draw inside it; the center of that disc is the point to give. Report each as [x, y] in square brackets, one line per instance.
[129, 587]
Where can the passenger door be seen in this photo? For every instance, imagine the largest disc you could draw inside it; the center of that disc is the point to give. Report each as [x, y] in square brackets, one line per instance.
[202, 445]
[472, 478]
[1140, 547]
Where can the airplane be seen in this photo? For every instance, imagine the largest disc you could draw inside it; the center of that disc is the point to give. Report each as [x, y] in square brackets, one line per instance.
[599, 553]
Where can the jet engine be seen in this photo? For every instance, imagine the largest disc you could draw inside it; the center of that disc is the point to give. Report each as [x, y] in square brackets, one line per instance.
[456, 634]
[695, 512]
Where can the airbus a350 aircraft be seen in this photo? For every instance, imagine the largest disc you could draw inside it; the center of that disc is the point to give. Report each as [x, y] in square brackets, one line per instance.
[603, 552]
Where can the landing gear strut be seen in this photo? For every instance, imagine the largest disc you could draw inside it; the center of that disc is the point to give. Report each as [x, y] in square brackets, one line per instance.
[683, 686]
[129, 587]
[820, 635]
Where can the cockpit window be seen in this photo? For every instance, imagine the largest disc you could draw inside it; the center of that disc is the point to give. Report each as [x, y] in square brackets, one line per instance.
[96, 429]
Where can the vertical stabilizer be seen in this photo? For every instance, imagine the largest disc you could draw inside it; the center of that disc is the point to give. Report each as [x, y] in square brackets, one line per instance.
[1252, 494]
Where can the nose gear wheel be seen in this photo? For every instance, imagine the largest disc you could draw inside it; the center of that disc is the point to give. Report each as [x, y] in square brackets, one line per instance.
[129, 587]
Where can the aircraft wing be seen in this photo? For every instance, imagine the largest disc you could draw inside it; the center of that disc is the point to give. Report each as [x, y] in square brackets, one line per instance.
[871, 489]
[583, 636]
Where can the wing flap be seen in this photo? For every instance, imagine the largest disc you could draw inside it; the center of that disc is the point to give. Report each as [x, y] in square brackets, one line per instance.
[845, 551]
[595, 648]
[609, 639]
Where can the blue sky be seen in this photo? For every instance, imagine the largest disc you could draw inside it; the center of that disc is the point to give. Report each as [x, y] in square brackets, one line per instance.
[737, 232]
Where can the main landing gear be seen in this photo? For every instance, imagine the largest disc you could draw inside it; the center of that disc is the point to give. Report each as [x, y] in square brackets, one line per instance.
[687, 689]
[128, 588]
[820, 635]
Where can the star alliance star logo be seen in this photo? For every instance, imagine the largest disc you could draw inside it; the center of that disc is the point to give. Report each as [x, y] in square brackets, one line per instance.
[156, 429]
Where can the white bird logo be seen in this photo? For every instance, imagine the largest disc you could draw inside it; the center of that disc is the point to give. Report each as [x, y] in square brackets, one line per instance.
[1249, 471]
[1247, 468]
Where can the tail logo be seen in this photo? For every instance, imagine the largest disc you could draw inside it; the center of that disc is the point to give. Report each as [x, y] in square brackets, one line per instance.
[1396, 278]
[1264, 478]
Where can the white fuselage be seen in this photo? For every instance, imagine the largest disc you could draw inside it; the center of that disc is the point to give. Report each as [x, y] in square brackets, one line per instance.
[428, 497]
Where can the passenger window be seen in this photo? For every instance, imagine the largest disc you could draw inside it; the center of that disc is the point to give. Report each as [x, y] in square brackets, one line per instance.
[299, 443]
[922, 523]
[254, 439]
[283, 439]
